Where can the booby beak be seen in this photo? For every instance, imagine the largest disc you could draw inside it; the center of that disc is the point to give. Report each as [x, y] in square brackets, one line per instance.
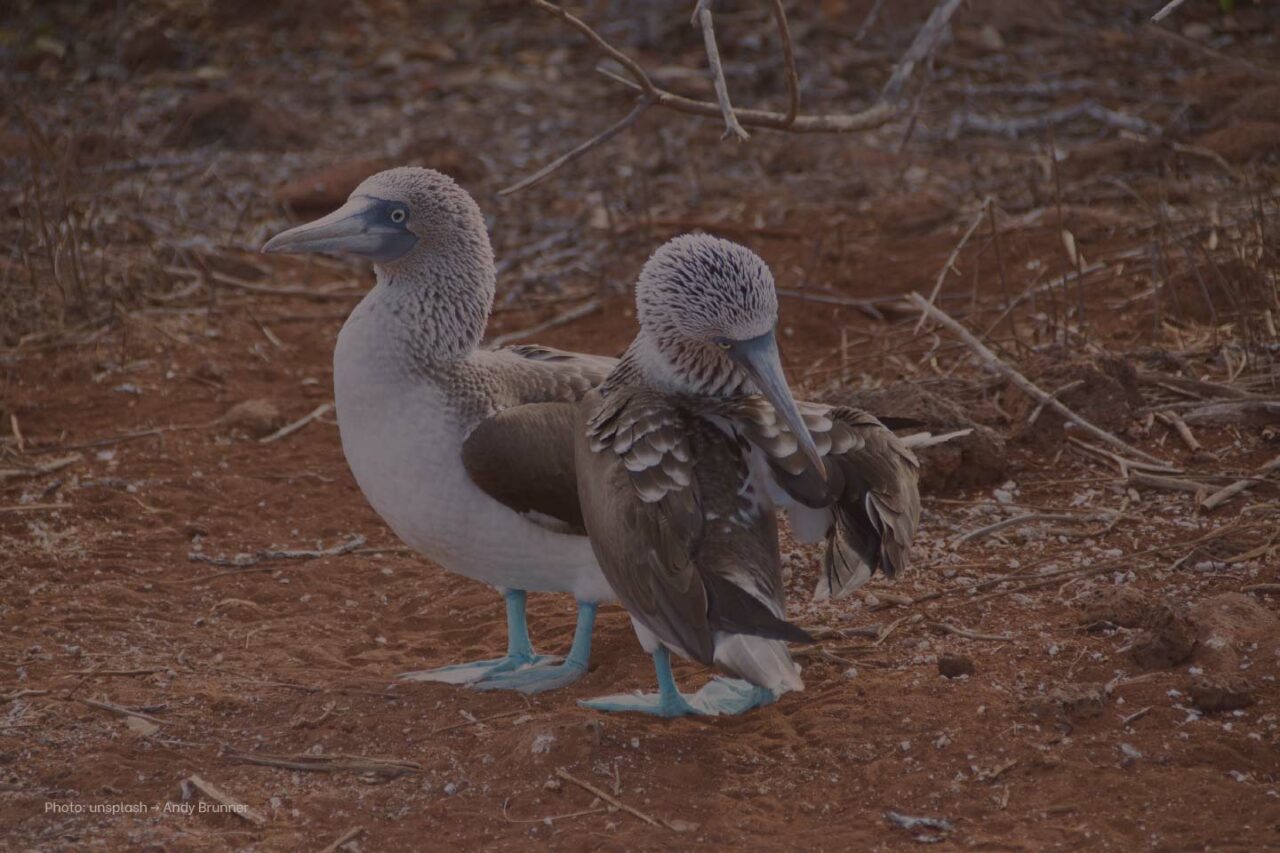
[363, 226]
[759, 358]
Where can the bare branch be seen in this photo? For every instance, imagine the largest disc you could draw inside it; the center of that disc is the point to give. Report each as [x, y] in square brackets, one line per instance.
[921, 48]
[736, 120]
[633, 67]
[596, 141]
[992, 361]
[788, 59]
[1166, 11]
[868, 119]
[702, 18]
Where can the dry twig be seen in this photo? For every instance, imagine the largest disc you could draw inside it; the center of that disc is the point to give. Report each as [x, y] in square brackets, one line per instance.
[1225, 494]
[993, 362]
[331, 763]
[247, 561]
[350, 835]
[238, 807]
[289, 429]
[880, 113]
[702, 19]
[958, 631]
[606, 796]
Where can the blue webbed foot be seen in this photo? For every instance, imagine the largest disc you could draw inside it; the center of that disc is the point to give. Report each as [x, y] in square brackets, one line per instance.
[479, 671]
[540, 680]
[719, 696]
[531, 681]
[520, 656]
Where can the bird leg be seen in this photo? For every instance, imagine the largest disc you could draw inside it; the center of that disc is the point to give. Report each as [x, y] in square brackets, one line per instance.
[544, 678]
[520, 655]
[720, 696]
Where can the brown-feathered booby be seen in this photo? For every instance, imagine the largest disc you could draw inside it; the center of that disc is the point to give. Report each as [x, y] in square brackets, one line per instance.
[466, 453]
[685, 452]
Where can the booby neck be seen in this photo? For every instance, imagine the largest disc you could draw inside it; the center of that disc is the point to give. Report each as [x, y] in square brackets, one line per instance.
[679, 367]
[434, 304]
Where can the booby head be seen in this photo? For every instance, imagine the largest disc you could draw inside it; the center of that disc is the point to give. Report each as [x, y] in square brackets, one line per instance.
[393, 218]
[707, 309]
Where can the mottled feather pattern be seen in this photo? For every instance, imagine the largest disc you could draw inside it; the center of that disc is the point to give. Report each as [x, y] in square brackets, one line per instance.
[685, 535]
[871, 490]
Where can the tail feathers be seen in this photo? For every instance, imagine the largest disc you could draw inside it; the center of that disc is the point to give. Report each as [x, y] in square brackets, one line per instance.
[765, 663]
[844, 569]
[732, 609]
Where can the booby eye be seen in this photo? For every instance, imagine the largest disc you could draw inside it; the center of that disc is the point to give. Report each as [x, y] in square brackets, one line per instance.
[398, 215]
[724, 343]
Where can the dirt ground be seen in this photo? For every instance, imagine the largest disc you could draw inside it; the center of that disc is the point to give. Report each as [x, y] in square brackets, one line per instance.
[1098, 675]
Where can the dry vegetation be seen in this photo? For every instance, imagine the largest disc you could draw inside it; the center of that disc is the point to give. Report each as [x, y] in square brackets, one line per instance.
[196, 602]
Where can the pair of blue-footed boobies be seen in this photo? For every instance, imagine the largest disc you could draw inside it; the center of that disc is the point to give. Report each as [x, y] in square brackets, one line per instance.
[653, 479]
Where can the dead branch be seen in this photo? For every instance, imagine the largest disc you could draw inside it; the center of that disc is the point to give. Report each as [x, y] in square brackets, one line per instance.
[736, 120]
[244, 561]
[1013, 128]
[1155, 481]
[921, 48]
[331, 763]
[1070, 386]
[213, 792]
[789, 60]
[1225, 494]
[702, 19]
[956, 630]
[607, 797]
[994, 363]
[121, 710]
[1181, 428]
[290, 429]
[41, 469]
[1027, 518]
[951, 259]
[596, 141]
[1166, 10]
[350, 835]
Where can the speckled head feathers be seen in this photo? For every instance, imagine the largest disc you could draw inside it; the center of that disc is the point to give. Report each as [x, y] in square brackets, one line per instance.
[695, 296]
[701, 288]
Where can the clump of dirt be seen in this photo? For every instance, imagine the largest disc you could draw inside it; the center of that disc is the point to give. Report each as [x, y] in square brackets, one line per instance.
[1114, 606]
[1103, 390]
[955, 666]
[1227, 625]
[1213, 694]
[977, 459]
[256, 417]
[233, 119]
[1168, 638]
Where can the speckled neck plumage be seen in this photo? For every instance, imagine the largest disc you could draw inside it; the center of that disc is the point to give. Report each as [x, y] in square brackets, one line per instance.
[679, 366]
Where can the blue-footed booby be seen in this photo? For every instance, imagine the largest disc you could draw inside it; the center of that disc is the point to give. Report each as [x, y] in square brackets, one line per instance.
[467, 454]
[684, 454]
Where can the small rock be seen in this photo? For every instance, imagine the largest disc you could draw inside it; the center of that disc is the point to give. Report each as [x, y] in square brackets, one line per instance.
[257, 417]
[1072, 701]
[1212, 694]
[1198, 31]
[954, 666]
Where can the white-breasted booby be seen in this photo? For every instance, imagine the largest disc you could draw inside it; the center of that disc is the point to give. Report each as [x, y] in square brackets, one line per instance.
[681, 465]
[467, 454]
